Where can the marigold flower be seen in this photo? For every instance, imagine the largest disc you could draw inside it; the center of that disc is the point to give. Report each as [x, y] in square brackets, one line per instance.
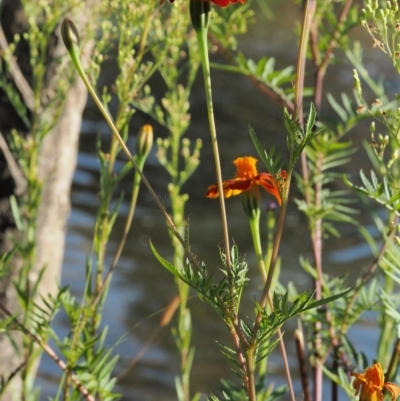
[247, 178]
[224, 3]
[371, 384]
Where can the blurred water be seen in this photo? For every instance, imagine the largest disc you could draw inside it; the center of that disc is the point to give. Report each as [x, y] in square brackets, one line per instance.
[141, 287]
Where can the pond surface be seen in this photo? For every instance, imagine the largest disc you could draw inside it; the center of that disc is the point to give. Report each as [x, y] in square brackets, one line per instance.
[141, 288]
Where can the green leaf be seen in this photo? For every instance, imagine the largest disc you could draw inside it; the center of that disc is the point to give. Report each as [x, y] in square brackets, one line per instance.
[337, 107]
[311, 121]
[272, 161]
[169, 266]
[326, 300]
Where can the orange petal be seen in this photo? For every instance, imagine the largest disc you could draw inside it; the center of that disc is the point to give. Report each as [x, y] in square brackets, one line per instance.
[236, 186]
[231, 188]
[268, 183]
[358, 382]
[374, 375]
[393, 388]
[212, 192]
[224, 3]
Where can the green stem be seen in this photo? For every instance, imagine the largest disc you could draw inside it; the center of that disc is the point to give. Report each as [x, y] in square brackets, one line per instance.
[309, 12]
[277, 242]
[127, 226]
[238, 337]
[250, 368]
[203, 47]
[255, 233]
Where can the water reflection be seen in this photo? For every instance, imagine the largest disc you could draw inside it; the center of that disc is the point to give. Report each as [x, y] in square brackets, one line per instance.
[141, 287]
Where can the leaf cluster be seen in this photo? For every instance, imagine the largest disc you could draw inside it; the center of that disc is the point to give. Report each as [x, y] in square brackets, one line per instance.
[224, 296]
[384, 192]
[264, 72]
[87, 354]
[284, 309]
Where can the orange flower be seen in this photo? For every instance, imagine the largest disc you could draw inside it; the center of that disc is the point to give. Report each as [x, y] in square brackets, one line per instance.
[371, 383]
[247, 178]
[224, 3]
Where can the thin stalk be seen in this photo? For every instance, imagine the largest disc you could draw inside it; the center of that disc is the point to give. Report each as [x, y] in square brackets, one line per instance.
[254, 221]
[122, 241]
[322, 65]
[271, 223]
[203, 47]
[250, 368]
[237, 335]
[309, 12]
[316, 237]
[301, 356]
[276, 246]
[284, 357]
[320, 70]
[183, 328]
[255, 235]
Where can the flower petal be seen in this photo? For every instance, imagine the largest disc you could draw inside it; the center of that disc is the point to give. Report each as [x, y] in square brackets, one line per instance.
[224, 3]
[212, 191]
[221, 3]
[245, 167]
[393, 388]
[358, 382]
[268, 182]
[231, 188]
[371, 383]
[374, 375]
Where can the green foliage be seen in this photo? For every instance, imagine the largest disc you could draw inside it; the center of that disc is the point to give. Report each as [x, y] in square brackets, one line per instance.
[6, 261]
[263, 71]
[298, 137]
[325, 154]
[232, 392]
[224, 296]
[380, 191]
[157, 58]
[285, 310]
[272, 161]
[381, 19]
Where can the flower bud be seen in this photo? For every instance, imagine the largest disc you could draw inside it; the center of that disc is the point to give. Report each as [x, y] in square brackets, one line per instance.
[144, 141]
[70, 34]
[251, 202]
[200, 14]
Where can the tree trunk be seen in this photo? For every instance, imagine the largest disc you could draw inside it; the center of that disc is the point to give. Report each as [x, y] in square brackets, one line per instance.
[56, 166]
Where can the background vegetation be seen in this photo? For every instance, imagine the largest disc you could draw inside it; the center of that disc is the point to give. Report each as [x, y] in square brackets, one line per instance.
[158, 55]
